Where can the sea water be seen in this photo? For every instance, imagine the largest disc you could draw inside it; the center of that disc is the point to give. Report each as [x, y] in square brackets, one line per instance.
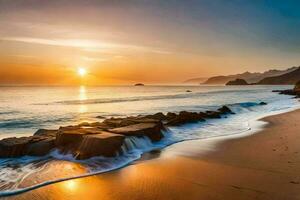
[23, 110]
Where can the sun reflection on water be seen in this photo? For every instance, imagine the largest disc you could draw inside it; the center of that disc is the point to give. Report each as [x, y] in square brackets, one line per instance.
[82, 96]
[82, 93]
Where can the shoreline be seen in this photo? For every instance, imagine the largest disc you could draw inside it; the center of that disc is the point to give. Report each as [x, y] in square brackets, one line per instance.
[178, 157]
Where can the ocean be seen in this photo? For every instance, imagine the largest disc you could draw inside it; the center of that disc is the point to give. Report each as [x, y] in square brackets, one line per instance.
[24, 110]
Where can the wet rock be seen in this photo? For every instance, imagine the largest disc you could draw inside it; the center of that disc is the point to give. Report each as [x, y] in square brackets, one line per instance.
[151, 130]
[225, 110]
[185, 117]
[262, 103]
[287, 92]
[113, 122]
[171, 115]
[32, 145]
[105, 138]
[121, 122]
[40, 148]
[13, 147]
[102, 144]
[68, 138]
[213, 115]
[157, 116]
[45, 132]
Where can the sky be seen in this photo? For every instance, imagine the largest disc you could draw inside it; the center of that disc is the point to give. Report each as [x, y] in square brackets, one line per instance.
[149, 41]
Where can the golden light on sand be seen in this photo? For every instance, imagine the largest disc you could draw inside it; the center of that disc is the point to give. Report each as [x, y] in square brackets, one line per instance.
[70, 185]
[82, 71]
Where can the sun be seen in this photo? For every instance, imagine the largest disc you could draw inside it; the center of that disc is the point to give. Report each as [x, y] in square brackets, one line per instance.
[81, 71]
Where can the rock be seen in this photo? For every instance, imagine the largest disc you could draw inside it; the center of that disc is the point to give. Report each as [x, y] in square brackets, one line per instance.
[13, 147]
[188, 91]
[84, 124]
[68, 138]
[45, 132]
[158, 116]
[213, 114]
[170, 115]
[102, 144]
[285, 92]
[101, 117]
[32, 145]
[297, 88]
[225, 110]
[237, 82]
[121, 122]
[151, 130]
[40, 148]
[113, 122]
[262, 103]
[292, 92]
[139, 84]
[185, 117]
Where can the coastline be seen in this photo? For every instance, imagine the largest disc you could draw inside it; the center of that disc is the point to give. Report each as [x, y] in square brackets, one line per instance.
[264, 165]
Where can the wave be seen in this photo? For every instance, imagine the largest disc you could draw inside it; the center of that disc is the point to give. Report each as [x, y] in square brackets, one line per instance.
[125, 99]
[140, 98]
[14, 170]
[31, 122]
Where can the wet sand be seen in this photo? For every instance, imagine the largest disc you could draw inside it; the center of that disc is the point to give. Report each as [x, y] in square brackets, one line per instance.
[265, 165]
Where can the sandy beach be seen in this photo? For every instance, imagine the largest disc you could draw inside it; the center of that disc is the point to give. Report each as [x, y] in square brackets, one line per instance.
[264, 165]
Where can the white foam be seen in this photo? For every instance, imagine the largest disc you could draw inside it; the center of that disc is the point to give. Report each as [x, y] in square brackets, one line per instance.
[241, 124]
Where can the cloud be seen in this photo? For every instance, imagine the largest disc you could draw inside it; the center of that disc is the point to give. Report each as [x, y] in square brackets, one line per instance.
[87, 45]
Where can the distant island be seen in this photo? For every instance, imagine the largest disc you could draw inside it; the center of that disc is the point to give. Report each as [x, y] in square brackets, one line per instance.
[237, 82]
[251, 78]
[139, 84]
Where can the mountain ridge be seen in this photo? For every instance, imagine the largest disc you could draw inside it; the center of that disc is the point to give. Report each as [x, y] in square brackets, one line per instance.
[250, 77]
[290, 78]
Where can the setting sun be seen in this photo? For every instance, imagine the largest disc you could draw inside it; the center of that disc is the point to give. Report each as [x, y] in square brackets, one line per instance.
[81, 71]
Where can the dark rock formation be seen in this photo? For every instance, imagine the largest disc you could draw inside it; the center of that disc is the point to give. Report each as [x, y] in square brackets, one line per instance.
[188, 91]
[13, 147]
[237, 82]
[33, 146]
[45, 132]
[103, 144]
[212, 115]
[294, 92]
[297, 87]
[157, 116]
[170, 115]
[225, 110]
[69, 138]
[185, 117]
[151, 130]
[105, 138]
[139, 84]
[262, 103]
[41, 147]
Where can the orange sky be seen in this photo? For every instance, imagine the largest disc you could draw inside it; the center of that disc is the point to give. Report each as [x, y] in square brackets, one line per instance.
[124, 42]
